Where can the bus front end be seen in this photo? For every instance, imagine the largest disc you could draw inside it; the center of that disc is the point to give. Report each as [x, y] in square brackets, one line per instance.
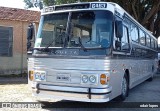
[71, 54]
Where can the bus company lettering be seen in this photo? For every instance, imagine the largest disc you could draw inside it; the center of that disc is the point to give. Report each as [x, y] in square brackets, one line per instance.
[66, 52]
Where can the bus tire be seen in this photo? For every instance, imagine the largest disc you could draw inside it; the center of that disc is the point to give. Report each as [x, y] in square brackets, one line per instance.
[124, 88]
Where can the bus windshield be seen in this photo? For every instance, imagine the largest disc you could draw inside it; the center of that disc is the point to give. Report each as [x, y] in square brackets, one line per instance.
[92, 29]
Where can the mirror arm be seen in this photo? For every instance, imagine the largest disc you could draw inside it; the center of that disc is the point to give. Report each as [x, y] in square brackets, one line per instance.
[117, 44]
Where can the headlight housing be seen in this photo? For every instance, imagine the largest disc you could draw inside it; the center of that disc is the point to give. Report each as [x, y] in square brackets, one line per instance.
[40, 75]
[84, 78]
[90, 79]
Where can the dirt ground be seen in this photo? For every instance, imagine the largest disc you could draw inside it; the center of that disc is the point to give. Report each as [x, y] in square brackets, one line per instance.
[16, 89]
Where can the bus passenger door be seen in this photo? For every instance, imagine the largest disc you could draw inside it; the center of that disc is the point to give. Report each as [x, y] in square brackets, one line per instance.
[122, 43]
[125, 42]
[122, 49]
[121, 53]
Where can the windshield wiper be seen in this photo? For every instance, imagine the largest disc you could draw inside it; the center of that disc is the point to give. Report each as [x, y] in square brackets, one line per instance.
[62, 41]
[80, 43]
[46, 49]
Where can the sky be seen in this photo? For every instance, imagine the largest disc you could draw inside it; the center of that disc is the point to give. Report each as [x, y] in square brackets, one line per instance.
[14, 4]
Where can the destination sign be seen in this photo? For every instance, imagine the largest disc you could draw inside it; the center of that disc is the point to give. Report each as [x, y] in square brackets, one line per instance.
[75, 6]
[98, 5]
[49, 9]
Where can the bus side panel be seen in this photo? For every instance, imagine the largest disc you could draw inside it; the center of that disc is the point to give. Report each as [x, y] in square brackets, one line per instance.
[116, 76]
[139, 71]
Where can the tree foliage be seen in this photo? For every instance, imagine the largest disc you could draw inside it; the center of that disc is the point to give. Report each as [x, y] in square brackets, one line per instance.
[146, 12]
[28, 3]
[33, 3]
[49, 2]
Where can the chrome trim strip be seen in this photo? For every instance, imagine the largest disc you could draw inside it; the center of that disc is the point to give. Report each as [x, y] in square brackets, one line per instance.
[75, 89]
[106, 90]
[60, 88]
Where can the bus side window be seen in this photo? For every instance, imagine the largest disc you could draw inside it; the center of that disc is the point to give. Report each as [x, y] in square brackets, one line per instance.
[125, 40]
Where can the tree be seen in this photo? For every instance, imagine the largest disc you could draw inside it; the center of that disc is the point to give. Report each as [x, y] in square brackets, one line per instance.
[34, 3]
[146, 12]
[28, 3]
[49, 2]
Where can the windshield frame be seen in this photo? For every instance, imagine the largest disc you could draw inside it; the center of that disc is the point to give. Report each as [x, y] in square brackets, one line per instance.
[82, 10]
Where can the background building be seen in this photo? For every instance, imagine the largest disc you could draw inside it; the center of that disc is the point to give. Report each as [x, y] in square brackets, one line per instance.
[13, 38]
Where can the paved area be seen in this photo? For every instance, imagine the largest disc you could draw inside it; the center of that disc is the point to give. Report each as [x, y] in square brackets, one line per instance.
[15, 89]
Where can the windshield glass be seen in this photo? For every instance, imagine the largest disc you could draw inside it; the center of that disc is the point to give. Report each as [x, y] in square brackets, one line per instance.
[93, 29]
[52, 28]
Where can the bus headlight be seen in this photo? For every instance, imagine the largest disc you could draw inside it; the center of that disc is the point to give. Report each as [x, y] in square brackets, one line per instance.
[89, 79]
[84, 78]
[37, 75]
[92, 79]
[40, 75]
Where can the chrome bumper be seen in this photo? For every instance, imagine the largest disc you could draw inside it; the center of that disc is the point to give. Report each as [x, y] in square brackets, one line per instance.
[72, 93]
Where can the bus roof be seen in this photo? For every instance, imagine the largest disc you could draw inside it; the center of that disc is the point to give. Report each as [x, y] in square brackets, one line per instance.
[78, 6]
[92, 6]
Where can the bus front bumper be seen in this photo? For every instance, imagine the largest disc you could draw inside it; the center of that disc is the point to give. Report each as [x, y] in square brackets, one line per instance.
[72, 93]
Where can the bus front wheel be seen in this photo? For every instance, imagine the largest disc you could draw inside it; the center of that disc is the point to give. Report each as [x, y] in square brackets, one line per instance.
[124, 88]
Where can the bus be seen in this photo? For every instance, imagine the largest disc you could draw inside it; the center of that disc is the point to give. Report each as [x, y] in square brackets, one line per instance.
[90, 52]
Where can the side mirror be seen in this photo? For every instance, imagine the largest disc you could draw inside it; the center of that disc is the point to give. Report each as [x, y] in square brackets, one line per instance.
[119, 29]
[30, 32]
[30, 35]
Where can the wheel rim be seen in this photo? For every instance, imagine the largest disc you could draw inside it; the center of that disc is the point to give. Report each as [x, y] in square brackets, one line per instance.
[124, 86]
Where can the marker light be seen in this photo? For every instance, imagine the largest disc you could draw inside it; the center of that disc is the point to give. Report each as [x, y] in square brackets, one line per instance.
[104, 79]
[31, 75]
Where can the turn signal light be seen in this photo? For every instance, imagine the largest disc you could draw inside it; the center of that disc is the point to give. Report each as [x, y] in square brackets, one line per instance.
[31, 75]
[104, 79]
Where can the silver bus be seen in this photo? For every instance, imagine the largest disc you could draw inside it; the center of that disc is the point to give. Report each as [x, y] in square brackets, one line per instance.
[91, 52]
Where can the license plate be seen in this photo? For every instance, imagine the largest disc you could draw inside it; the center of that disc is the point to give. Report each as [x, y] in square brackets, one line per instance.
[65, 77]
